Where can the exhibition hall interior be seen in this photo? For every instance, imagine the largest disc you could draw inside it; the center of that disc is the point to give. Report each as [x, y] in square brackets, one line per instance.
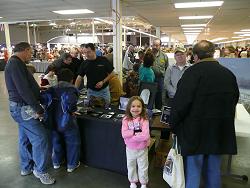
[127, 35]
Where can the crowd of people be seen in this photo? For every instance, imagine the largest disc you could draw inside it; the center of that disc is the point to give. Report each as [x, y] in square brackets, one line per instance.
[202, 97]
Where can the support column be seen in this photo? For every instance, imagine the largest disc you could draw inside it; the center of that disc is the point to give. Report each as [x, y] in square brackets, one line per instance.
[140, 39]
[28, 32]
[7, 39]
[117, 37]
[158, 32]
[150, 38]
[34, 34]
[169, 41]
[175, 43]
[76, 34]
[125, 37]
[93, 30]
[102, 36]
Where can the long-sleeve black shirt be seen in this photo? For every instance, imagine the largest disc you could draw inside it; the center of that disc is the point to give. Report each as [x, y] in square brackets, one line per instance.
[21, 85]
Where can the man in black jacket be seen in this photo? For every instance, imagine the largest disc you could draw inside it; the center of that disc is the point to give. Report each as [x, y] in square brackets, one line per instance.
[65, 61]
[202, 116]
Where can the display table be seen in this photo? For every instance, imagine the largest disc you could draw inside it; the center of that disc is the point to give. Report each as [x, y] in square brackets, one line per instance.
[2, 64]
[242, 120]
[155, 124]
[102, 144]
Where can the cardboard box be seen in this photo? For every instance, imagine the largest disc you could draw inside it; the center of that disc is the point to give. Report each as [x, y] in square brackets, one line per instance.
[161, 151]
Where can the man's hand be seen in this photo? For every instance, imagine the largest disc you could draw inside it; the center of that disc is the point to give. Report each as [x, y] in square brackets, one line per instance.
[76, 113]
[99, 84]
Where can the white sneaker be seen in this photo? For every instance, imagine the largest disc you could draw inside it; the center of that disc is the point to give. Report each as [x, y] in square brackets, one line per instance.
[143, 186]
[133, 185]
[72, 169]
[44, 178]
[26, 173]
[56, 166]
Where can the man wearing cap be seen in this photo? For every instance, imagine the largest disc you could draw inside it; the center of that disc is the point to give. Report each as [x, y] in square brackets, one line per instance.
[174, 72]
[172, 76]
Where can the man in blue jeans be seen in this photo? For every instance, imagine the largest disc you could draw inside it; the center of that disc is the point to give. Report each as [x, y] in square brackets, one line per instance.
[26, 110]
[202, 116]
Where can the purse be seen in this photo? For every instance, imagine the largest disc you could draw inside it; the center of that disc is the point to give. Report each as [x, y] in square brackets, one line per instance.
[173, 171]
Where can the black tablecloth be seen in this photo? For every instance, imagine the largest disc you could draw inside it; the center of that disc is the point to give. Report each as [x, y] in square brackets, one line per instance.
[102, 143]
[2, 64]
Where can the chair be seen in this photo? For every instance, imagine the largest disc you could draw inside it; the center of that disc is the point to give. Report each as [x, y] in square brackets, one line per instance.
[147, 91]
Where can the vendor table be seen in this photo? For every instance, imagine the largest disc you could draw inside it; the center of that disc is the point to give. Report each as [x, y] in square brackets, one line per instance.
[2, 64]
[102, 142]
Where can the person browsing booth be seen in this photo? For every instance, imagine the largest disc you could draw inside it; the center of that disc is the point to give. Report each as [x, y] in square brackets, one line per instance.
[159, 67]
[202, 116]
[98, 71]
[172, 76]
[173, 73]
[26, 110]
[61, 101]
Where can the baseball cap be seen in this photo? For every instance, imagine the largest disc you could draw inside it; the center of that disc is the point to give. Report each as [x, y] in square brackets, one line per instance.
[180, 49]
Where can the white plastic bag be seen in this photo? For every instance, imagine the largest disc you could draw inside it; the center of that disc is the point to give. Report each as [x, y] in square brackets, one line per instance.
[173, 171]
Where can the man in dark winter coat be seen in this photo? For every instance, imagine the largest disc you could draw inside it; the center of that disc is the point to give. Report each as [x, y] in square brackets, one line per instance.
[202, 116]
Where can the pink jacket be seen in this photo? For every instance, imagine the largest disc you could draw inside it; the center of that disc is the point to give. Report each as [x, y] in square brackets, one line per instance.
[140, 140]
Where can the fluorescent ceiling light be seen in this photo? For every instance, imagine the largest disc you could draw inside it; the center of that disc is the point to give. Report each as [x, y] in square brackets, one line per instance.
[239, 40]
[194, 25]
[237, 37]
[1, 17]
[245, 35]
[242, 32]
[194, 17]
[192, 31]
[199, 4]
[192, 28]
[52, 24]
[245, 30]
[218, 39]
[75, 11]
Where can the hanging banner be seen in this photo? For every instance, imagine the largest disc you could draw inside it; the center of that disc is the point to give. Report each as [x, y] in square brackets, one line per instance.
[240, 67]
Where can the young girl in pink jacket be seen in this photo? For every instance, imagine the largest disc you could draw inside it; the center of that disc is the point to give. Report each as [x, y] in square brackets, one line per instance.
[135, 131]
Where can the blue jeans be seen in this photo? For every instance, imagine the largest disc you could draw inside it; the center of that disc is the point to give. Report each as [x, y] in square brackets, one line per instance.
[71, 140]
[104, 93]
[207, 165]
[33, 141]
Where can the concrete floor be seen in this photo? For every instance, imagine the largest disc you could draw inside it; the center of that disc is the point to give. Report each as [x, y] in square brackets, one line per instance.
[87, 177]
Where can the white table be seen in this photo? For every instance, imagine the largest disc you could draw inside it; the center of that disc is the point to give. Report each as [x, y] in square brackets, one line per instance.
[242, 128]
